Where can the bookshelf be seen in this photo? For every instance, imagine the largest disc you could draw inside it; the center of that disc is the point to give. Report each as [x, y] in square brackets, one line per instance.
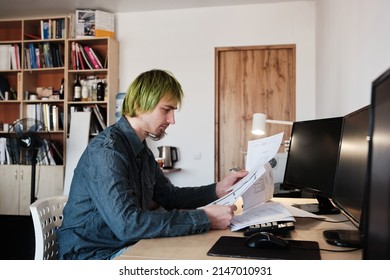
[34, 86]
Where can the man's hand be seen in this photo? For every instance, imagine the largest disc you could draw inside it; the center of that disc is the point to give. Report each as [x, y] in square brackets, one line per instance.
[219, 215]
[230, 179]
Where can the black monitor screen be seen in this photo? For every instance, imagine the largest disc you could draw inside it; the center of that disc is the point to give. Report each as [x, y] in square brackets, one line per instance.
[313, 155]
[351, 174]
[377, 225]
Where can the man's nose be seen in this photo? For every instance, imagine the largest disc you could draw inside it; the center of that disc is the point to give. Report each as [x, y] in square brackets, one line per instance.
[171, 117]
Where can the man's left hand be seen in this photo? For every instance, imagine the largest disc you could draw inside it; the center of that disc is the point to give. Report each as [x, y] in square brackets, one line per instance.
[223, 187]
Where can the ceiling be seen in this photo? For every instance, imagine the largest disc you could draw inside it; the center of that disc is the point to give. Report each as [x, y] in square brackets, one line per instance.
[25, 8]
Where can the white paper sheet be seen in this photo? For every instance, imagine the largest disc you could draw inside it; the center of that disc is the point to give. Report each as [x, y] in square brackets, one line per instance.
[260, 152]
[260, 191]
[257, 187]
[240, 187]
[296, 212]
[263, 213]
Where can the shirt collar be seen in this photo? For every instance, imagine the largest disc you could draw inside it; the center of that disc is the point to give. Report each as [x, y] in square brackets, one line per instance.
[135, 143]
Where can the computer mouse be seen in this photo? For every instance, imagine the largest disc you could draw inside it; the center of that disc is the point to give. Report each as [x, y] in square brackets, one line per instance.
[265, 240]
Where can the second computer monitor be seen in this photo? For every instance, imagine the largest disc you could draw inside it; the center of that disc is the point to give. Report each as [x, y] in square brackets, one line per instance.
[312, 160]
[348, 193]
[377, 223]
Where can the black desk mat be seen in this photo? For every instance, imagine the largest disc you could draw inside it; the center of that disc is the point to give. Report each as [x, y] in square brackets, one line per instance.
[231, 246]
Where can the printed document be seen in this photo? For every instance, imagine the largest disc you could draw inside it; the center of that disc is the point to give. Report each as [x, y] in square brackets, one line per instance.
[260, 152]
[257, 187]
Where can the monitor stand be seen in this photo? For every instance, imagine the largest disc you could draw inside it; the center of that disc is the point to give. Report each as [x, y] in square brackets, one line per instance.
[343, 238]
[324, 207]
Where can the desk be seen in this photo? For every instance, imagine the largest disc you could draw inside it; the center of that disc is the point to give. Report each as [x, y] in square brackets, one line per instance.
[195, 247]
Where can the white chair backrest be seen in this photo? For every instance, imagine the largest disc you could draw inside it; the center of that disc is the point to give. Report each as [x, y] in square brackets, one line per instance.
[47, 218]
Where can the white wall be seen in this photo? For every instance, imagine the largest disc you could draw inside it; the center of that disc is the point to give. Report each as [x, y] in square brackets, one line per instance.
[352, 49]
[183, 41]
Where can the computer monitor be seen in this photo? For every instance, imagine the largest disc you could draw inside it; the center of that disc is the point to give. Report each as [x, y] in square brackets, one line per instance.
[350, 183]
[312, 161]
[377, 224]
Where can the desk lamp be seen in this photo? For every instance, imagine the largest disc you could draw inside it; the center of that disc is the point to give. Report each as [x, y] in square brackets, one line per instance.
[259, 120]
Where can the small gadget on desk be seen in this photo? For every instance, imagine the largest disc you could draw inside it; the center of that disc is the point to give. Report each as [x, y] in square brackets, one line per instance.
[265, 240]
[279, 227]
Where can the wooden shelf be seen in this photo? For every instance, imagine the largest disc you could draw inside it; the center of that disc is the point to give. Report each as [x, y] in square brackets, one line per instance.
[170, 170]
[25, 35]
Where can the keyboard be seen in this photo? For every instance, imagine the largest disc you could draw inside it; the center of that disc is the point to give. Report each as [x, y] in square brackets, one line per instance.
[278, 227]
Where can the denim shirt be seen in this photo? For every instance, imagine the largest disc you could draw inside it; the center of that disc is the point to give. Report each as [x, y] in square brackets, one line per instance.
[114, 186]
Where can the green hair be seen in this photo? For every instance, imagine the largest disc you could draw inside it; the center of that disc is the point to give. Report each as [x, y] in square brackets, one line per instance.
[147, 89]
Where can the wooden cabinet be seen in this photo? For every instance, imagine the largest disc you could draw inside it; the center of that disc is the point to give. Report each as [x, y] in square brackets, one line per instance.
[34, 88]
[9, 189]
[15, 186]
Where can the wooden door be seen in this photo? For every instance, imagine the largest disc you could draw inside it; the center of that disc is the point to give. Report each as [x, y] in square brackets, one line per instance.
[255, 79]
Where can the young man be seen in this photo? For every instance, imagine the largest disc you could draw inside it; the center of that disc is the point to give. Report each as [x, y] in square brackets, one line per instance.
[117, 182]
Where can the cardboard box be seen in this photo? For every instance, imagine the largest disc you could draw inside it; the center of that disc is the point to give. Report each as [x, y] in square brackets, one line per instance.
[94, 23]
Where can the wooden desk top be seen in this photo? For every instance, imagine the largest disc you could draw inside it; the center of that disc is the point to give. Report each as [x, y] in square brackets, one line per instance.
[195, 247]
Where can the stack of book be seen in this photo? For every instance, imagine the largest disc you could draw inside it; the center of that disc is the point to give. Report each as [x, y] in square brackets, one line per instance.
[52, 29]
[44, 55]
[85, 57]
[48, 114]
[9, 57]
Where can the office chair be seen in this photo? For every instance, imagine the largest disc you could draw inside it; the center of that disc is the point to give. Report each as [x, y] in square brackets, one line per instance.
[47, 218]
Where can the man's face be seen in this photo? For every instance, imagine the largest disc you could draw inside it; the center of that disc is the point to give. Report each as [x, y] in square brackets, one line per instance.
[158, 120]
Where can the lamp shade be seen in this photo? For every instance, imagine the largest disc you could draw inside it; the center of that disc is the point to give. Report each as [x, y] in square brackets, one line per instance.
[258, 124]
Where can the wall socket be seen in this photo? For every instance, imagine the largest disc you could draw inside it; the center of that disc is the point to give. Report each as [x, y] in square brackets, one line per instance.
[198, 156]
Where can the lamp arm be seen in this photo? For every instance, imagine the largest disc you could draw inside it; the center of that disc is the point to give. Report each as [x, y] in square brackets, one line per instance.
[279, 122]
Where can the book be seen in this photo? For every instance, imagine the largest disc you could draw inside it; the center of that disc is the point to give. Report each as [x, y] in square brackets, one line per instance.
[47, 55]
[99, 116]
[41, 56]
[55, 55]
[55, 117]
[95, 125]
[38, 58]
[94, 23]
[32, 56]
[73, 55]
[85, 57]
[56, 152]
[79, 57]
[61, 54]
[45, 30]
[92, 57]
[13, 56]
[47, 155]
[5, 59]
[53, 29]
[97, 57]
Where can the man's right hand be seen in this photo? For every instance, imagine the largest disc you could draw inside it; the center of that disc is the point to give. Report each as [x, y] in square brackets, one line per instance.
[220, 216]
